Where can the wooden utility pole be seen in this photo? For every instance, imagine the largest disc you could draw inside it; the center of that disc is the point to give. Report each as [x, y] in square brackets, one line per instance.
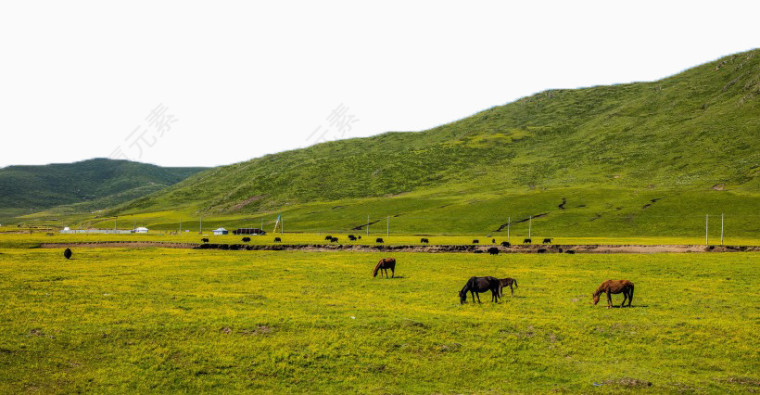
[367, 225]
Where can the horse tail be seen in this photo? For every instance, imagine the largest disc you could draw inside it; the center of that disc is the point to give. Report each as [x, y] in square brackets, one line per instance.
[515, 281]
[630, 299]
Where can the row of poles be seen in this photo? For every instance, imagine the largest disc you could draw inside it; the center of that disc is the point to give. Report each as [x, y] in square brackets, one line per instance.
[509, 225]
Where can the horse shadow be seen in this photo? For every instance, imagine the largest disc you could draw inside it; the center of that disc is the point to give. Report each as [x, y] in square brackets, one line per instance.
[630, 307]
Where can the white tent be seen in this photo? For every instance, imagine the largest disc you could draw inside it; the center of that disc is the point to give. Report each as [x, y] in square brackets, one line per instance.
[141, 230]
[220, 231]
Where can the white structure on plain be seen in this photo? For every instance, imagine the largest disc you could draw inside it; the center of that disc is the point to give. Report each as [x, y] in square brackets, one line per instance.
[220, 232]
[140, 229]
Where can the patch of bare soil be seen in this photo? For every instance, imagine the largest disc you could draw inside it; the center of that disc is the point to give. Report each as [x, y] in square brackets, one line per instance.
[247, 202]
[628, 382]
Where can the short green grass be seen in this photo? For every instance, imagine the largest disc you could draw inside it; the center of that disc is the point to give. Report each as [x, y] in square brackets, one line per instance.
[168, 320]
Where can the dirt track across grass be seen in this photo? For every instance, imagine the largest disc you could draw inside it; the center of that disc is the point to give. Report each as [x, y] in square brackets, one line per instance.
[525, 249]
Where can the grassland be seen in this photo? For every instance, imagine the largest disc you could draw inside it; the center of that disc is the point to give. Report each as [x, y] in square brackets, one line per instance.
[168, 320]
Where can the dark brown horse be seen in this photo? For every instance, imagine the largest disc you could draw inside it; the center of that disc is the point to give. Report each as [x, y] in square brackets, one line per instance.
[476, 285]
[507, 282]
[615, 287]
[385, 264]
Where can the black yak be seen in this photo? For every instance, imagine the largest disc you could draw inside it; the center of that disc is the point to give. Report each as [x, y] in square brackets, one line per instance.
[67, 253]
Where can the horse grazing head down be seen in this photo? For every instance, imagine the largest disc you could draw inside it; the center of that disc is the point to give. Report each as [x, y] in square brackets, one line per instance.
[462, 296]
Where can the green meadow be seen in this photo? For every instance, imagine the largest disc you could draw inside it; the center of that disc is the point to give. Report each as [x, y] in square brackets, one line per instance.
[116, 320]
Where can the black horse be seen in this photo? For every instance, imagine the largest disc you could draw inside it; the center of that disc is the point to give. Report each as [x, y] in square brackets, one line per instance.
[476, 285]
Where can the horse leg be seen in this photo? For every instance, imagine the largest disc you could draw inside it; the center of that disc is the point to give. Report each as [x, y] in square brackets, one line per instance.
[609, 300]
[630, 297]
[625, 296]
[393, 272]
[512, 289]
[478, 295]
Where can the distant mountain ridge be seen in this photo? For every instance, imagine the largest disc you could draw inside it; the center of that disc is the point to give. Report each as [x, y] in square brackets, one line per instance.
[94, 183]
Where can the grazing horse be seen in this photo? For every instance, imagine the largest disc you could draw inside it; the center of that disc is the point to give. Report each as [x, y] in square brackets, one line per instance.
[277, 240]
[493, 251]
[476, 285]
[384, 265]
[424, 240]
[205, 240]
[548, 240]
[527, 241]
[67, 253]
[615, 287]
[379, 240]
[507, 282]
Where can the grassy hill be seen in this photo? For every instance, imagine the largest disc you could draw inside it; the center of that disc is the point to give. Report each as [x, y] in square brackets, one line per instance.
[82, 186]
[629, 158]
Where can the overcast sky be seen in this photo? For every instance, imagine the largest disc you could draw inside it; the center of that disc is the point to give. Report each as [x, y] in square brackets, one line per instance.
[204, 84]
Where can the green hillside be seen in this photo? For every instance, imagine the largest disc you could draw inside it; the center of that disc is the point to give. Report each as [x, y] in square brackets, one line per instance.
[82, 186]
[689, 142]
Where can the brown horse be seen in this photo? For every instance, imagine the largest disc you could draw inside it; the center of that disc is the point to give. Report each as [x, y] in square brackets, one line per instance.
[615, 287]
[507, 282]
[476, 285]
[385, 264]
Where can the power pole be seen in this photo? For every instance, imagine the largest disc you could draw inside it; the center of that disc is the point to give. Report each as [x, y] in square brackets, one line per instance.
[707, 227]
[367, 225]
[721, 228]
[282, 225]
[530, 225]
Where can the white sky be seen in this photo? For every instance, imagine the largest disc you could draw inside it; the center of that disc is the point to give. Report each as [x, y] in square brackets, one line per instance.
[243, 79]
